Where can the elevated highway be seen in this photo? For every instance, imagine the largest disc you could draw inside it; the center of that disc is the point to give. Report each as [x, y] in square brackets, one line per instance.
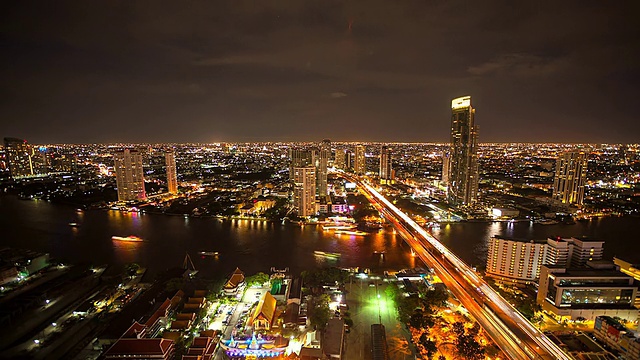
[513, 333]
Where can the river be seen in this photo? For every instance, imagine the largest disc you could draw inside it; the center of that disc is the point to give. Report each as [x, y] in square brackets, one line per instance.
[257, 245]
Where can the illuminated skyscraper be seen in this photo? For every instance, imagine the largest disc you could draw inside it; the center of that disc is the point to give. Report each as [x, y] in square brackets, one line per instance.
[360, 167]
[386, 173]
[299, 158]
[341, 160]
[446, 163]
[304, 191]
[129, 175]
[463, 169]
[18, 154]
[350, 160]
[322, 163]
[570, 177]
[172, 175]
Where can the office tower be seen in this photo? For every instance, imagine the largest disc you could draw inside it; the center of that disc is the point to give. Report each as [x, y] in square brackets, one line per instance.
[446, 163]
[304, 191]
[299, 158]
[570, 177]
[386, 175]
[341, 160]
[322, 163]
[129, 175]
[18, 154]
[350, 161]
[360, 166]
[172, 175]
[463, 169]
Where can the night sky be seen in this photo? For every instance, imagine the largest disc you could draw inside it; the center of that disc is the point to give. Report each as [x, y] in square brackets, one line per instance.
[186, 71]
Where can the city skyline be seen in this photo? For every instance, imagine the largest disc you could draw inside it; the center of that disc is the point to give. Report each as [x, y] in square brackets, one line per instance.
[550, 73]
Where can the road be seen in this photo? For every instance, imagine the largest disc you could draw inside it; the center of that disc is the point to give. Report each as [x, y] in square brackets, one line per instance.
[367, 308]
[517, 338]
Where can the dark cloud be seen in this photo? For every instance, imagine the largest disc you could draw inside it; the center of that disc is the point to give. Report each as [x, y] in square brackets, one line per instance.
[75, 71]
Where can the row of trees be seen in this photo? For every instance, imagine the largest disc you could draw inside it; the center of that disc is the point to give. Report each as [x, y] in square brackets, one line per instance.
[418, 311]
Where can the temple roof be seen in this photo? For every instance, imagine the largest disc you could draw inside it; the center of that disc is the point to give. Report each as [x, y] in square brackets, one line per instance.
[266, 308]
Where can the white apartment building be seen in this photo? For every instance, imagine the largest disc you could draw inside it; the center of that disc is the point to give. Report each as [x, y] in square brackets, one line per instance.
[519, 261]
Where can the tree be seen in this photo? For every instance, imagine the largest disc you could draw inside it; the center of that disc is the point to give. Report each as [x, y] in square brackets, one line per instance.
[428, 344]
[257, 279]
[458, 329]
[319, 311]
[469, 348]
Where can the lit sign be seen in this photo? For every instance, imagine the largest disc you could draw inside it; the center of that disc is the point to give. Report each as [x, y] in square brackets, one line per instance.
[349, 185]
[461, 102]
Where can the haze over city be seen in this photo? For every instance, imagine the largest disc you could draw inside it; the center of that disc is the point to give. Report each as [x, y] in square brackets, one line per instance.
[314, 180]
[539, 71]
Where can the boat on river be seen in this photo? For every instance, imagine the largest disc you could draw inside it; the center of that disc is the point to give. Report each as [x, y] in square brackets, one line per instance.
[130, 238]
[352, 232]
[209, 253]
[327, 254]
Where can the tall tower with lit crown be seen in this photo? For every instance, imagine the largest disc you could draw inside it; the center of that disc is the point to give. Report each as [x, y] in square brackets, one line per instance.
[463, 167]
[129, 175]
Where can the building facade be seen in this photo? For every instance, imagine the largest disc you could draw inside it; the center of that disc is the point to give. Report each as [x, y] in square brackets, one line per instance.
[519, 261]
[515, 260]
[386, 171]
[304, 191]
[340, 161]
[18, 154]
[615, 335]
[322, 164]
[129, 175]
[570, 177]
[463, 169]
[299, 158]
[597, 290]
[360, 165]
[172, 175]
[446, 163]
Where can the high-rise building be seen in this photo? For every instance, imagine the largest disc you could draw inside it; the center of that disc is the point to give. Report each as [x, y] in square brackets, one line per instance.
[341, 160]
[18, 154]
[463, 169]
[129, 175]
[446, 163]
[350, 160]
[360, 165]
[322, 163]
[172, 175]
[300, 158]
[386, 172]
[570, 177]
[304, 191]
